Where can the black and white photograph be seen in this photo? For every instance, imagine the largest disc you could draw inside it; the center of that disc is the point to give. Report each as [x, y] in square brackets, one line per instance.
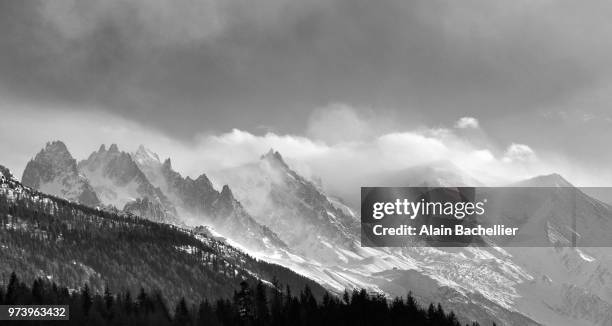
[284, 162]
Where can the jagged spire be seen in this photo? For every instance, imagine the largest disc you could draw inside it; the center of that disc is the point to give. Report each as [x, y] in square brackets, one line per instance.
[203, 180]
[54, 150]
[144, 155]
[102, 148]
[274, 156]
[167, 164]
[56, 144]
[226, 192]
[113, 148]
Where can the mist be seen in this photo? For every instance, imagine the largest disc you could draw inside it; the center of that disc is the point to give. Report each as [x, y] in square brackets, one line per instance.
[343, 164]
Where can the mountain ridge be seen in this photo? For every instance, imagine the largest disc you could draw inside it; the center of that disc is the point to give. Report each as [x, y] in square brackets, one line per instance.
[199, 202]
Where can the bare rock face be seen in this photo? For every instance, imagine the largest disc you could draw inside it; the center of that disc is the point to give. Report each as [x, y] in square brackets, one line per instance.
[151, 210]
[54, 171]
[118, 180]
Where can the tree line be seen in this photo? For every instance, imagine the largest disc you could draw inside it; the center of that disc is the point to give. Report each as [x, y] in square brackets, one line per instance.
[251, 305]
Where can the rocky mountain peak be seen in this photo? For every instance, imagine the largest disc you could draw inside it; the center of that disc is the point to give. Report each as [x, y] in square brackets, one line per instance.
[56, 152]
[56, 146]
[203, 180]
[167, 165]
[226, 192]
[280, 198]
[144, 156]
[275, 158]
[152, 210]
[53, 170]
[50, 162]
[113, 148]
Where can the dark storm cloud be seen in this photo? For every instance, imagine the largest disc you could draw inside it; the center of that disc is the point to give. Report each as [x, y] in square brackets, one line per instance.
[189, 66]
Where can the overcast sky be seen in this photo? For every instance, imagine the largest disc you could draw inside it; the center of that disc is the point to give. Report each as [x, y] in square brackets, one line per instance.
[184, 74]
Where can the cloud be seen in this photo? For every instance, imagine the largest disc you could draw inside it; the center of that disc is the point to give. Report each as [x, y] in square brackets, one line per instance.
[160, 23]
[184, 66]
[341, 165]
[342, 162]
[519, 153]
[467, 123]
[325, 152]
[345, 166]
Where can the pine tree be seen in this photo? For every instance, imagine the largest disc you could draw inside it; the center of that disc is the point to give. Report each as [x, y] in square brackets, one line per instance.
[108, 298]
[244, 302]
[181, 314]
[37, 292]
[12, 289]
[86, 301]
[262, 314]
[206, 315]
[363, 309]
[276, 307]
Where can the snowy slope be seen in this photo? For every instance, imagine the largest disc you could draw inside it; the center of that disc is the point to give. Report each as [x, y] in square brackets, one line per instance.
[509, 286]
[294, 208]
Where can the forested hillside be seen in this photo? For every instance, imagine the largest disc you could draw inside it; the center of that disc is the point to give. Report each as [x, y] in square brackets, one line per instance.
[42, 236]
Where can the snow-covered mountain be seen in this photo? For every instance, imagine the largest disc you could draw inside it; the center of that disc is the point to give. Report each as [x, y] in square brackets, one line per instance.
[324, 232]
[198, 202]
[118, 181]
[549, 211]
[293, 207]
[549, 285]
[54, 171]
[509, 286]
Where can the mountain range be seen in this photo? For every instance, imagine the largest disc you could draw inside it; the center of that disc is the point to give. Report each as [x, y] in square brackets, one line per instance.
[114, 178]
[267, 209]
